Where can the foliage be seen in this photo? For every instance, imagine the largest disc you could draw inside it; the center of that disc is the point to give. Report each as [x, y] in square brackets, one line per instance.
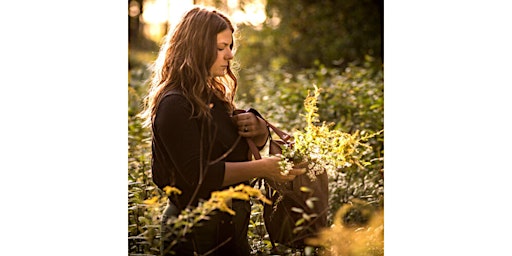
[298, 33]
[323, 148]
[351, 99]
[357, 230]
[189, 218]
[143, 230]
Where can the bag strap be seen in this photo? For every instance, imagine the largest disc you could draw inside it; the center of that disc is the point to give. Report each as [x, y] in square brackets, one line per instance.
[252, 146]
[256, 153]
[253, 149]
[283, 135]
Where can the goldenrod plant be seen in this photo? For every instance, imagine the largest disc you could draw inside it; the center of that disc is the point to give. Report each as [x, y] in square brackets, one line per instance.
[185, 222]
[324, 148]
[358, 230]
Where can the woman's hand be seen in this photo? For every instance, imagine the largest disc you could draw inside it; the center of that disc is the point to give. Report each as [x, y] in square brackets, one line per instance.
[250, 126]
[273, 171]
[267, 167]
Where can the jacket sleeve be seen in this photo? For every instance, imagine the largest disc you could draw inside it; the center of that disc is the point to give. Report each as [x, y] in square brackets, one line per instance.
[180, 136]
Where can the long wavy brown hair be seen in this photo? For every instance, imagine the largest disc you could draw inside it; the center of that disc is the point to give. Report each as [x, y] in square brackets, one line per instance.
[184, 62]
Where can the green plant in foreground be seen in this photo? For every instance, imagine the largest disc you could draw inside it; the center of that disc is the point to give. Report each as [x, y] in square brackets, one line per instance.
[357, 230]
[323, 148]
[191, 217]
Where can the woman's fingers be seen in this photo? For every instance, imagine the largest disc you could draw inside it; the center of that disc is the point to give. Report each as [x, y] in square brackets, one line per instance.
[249, 125]
[303, 164]
[246, 119]
[292, 174]
[298, 171]
[275, 174]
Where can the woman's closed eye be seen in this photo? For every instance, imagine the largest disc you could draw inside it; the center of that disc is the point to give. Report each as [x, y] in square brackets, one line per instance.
[222, 46]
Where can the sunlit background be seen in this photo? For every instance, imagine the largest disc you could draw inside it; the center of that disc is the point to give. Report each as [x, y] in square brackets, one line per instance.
[158, 15]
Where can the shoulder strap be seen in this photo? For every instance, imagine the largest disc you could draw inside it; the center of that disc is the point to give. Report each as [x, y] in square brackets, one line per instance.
[253, 149]
[283, 135]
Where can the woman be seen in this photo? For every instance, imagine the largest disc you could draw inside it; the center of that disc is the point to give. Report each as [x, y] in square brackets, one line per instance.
[196, 143]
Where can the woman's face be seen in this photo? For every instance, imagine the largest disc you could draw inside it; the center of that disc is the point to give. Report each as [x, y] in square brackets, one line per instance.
[224, 54]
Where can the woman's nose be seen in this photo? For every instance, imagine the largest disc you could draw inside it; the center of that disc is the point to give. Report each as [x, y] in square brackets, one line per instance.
[229, 55]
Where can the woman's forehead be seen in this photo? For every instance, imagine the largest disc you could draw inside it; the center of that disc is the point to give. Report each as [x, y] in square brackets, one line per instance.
[225, 37]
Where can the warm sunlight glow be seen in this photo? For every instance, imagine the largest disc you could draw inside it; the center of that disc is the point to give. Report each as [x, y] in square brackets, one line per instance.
[253, 13]
[155, 15]
[177, 8]
[155, 11]
[159, 15]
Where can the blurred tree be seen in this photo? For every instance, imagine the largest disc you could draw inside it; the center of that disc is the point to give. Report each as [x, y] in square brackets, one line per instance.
[134, 24]
[136, 37]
